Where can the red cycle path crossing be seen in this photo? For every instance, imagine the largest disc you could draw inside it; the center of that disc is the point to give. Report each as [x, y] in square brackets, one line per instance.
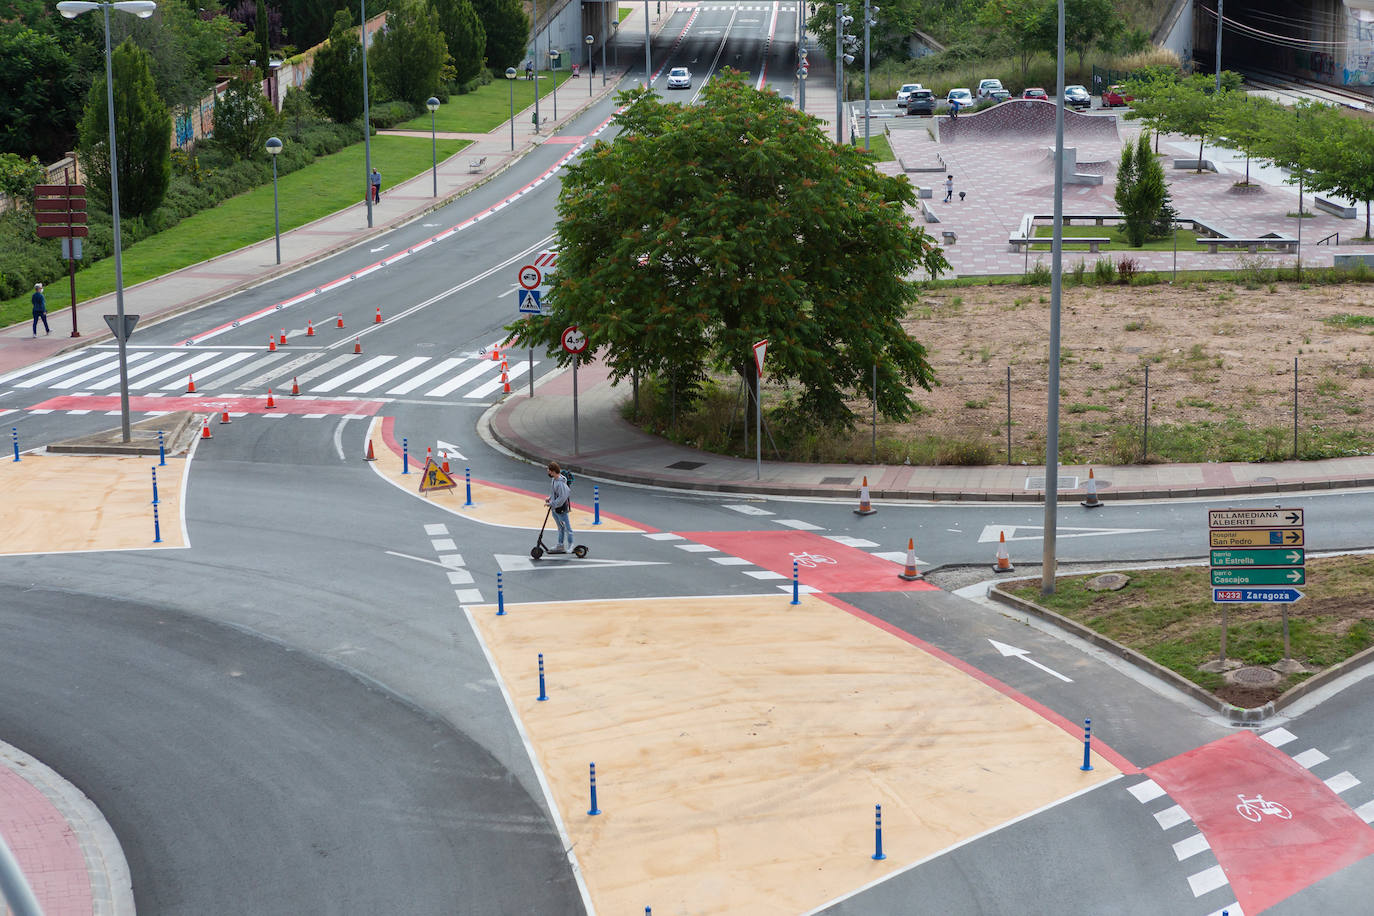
[824, 564]
[1269, 859]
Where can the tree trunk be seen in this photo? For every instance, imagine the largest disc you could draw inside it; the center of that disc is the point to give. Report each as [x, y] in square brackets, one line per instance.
[1200, 141]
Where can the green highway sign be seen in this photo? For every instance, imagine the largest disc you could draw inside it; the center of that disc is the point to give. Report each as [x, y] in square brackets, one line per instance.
[1259, 575]
[1274, 556]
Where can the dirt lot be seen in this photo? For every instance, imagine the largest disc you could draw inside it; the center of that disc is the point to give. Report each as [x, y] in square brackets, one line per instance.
[1220, 360]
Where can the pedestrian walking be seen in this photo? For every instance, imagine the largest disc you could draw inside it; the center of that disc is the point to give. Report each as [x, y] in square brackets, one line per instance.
[40, 310]
[949, 188]
[559, 503]
[376, 180]
[529, 69]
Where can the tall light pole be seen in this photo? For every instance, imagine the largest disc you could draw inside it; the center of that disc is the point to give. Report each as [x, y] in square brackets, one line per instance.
[1056, 285]
[869, 20]
[648, 60]
[534, 58]
[553, 75]
[367, 123]
[510, 78]
[433, 105]
[273, 150]
[1221, 4]
[602, 30]
[70, 9]
[589, 39]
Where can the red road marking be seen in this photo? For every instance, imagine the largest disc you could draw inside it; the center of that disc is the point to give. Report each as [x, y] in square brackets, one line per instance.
[286, 405]
[1272, 859]
[853, 569]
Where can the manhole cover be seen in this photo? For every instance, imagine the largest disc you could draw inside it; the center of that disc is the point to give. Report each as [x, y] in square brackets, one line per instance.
[1264, 480]
[1108, 582]
[1254, 677]
[837, 480]
[686, 465]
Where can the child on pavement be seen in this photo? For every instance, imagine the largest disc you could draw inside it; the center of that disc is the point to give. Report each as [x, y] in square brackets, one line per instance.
[560, 502]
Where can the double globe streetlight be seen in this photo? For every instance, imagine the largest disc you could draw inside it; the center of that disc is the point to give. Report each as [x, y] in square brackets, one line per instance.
[433, 105]
[510, 78]
[589, 40]
[274, 150]
[70, 9]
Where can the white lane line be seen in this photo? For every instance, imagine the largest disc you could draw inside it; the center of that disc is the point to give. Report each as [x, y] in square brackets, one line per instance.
[441, 544]
[344, 377]
[388, 375]
[1171, 817]
[90, 360]
[310, 375]
[1146, 791]
[1279, 737]
[452, 560]
[1366, 812]
[453, 384]
[731, 561]
[744, 509]
[798, 524]
[468, 595]
[208, 372]
[150, 381]
[1190, 847]
[801, 589]
[256, 365]
[432, 372]
[664, 536]
[459, 577]
[1342, 781]
[848, 541]
[1310, 758]
[490, 387]
[895, 556]
[763, 574]
[436, 530]
[1232, 910]
[75, 380]
[9, 378]
[1204, 882]
[696, 548]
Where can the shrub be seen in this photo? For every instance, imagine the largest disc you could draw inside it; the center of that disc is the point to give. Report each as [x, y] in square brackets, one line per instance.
[389, 114]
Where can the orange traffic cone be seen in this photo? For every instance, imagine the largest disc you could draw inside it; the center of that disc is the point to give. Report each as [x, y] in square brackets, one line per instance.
[224, 418]
[505, 378]
[270, 402]
[445, 454]
[283, 337]
[310, 329]
[910, 573]
[295, 389]
[370, 455]
[340, 324]
[495, 353]
[205, 430]
[190, 384]
[271, 343]
[1092, 502]
[1003, 560]
[378, 319]
[357, 345]
[865, 507]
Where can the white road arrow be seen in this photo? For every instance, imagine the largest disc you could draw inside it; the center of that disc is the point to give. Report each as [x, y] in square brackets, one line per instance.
[449, 447]
[1024, 655]
[382, 248]
[991, 532]
[517, 562]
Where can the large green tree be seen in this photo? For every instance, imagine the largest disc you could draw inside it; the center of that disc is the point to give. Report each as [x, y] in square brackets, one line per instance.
[308, 22]
[184, 49]
[465, 37]
[38, 81]
[1023, 28]
[1142, 192]
[1088, 23]
[508, 30]
[409, 54]
[703, 229]
[1187, 106]
[336, 75]
[143, 134]
[244, 119]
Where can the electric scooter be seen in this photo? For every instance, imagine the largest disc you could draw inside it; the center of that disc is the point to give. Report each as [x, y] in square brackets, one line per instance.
[538, 550]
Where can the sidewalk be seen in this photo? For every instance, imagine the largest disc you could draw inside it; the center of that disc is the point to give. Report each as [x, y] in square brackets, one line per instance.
[541, 428]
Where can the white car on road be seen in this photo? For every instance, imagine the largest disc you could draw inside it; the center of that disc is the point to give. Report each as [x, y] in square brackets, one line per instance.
[679, 78]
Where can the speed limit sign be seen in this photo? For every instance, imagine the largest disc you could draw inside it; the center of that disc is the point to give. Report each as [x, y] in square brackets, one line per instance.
[530, 277]
[573, 340]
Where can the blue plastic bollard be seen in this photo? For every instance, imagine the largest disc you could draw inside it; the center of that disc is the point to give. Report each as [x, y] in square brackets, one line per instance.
[154, 486]
[405, 455]
[1087, 744]
[878, 832]
[467, 483]
[542, 695]
[157, 528]
[500, 598]
[161, 450]
[14, 431]
[593, 809]
[596, 505]
[796, 584]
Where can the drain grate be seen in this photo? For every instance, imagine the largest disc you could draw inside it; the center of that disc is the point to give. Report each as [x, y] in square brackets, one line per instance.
[837, 480]
[1255, 677]
[1065, 483]
[686, 465]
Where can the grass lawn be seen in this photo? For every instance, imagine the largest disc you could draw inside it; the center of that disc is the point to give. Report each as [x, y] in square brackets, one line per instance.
[1168, 616]
[330, 183]
[879, 147]
[1187, 238]
[623, 12]
[489, 106]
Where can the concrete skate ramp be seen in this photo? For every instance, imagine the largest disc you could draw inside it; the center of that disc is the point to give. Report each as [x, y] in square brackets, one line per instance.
[1031, 119]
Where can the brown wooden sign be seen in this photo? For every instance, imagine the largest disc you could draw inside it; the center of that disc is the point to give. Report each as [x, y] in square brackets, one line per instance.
[60, 190]
[63, 218]
[59, 203]
[62, 232]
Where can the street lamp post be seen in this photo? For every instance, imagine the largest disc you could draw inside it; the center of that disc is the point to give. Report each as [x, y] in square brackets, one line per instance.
[603, 48]
[589, 39]
[70, 9]
[367, 123]
[648, 47]
[870, 14]
[553, 75]
[433, 105]
[274, 150]
[510, 78]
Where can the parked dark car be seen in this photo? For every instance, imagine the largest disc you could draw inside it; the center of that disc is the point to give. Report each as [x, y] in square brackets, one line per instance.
[920, 102]
[1077, 97]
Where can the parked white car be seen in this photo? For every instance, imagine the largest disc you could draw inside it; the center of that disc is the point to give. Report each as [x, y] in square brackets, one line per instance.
[679, 78]
[962, 97]
[905, 92]
[992, 89]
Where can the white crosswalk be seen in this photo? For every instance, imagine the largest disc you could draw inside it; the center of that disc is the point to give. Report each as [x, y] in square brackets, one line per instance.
[223, 372]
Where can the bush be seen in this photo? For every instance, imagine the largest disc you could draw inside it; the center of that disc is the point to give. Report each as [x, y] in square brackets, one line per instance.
[389, 114]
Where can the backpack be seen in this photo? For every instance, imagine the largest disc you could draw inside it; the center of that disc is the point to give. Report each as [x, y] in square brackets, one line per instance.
[568, 477]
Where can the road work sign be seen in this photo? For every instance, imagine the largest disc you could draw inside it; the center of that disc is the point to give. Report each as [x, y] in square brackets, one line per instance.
[435, 477]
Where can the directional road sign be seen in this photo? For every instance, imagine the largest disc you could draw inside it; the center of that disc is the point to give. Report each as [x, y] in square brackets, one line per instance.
[1256, 537]
[1254, 518]
[1256, 595]
[1272, 556]
[1260, 575]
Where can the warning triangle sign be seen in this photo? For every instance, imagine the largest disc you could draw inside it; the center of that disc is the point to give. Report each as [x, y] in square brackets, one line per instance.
[435, 477]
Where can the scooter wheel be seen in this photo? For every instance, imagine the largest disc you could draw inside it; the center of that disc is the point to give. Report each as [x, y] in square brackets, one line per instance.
[536, 553]
[580, 551]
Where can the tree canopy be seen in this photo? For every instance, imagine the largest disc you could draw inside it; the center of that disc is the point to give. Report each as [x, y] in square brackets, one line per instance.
[409, 54]
[336, 78]
[465, 37]
[244, 119]
[703, 229]
[508, 30]
[143, 134]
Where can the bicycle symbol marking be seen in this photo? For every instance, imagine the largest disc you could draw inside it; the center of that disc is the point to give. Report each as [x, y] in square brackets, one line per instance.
[1253, 809]
[811, 560]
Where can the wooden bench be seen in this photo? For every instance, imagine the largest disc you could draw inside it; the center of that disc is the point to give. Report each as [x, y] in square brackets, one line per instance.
[477, 163]
[1251, 245]
[1019, 242]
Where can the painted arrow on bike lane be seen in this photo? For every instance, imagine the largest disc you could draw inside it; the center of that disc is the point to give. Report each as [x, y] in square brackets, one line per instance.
[1238, 791]
[823, 563]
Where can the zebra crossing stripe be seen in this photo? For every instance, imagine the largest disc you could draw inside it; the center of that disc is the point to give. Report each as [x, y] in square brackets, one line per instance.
[73, 381]
[176, 370]
[377, 381]
[484, 365]
[207, 373]
[431, 373]
[148, 366]
[494, 385]
[351, 374]
[59, 372]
